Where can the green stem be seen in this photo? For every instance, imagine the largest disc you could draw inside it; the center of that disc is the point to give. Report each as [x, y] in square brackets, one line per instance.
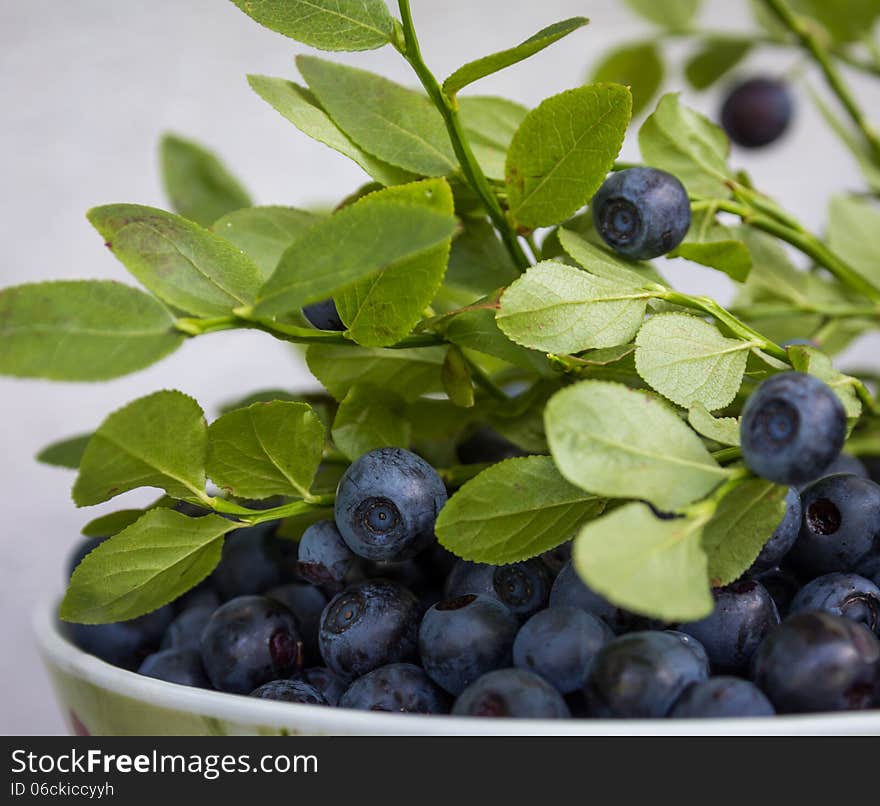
[784, 310]
[255, 516]
[727, 454]
[411, 51]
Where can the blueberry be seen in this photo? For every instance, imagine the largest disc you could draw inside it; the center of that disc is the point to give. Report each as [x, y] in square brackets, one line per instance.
[398, 688]
[843, 464]
[642, 213]
[79, 552]
[324, 315]
[368, 625]
[870, 568]
[559, 644]
[249, 641]
[323, 556]
[306, 602]
[555, 559]
[641, 676]
[793, 427]
[744, 613]
[123, 643]
[182, 666]
[387, 503]
[842, 594]
[486, 445]
[515, 693]
[782, 585]
[840, 525]
[463, 638]
[693, 645]
[524, 587]
[293, 690]
[721, 697]
[202, 595]
[250, 563]
[757, 112]
[185, 632]
[330, 686]
[819, 662]
[783, 537]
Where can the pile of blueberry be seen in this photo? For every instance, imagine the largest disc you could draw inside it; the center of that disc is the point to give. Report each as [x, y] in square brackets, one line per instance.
[368, 611]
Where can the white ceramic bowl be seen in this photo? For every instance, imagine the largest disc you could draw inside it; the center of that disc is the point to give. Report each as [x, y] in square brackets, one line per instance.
[99, 699]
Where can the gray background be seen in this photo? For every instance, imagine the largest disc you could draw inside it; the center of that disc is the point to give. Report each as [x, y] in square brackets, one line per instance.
[88, 86]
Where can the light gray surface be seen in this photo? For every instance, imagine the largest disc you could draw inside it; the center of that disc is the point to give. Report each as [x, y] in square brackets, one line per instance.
[87, 86]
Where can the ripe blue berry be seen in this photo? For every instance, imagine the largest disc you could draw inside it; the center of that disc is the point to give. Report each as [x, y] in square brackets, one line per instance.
[330, 686]
[782, 585]
[870, 568]
[555, 559]
[757, 112]
[524, 587]
[463, 638]
[513, 693]
[249, 641]
[792, 429]
[721, 697]
[642, 213]
[324, 315]
[185, 632]
[744, 613]
[293, 690]
[783, 537]
[250, 563]
[387, 503]
[819, 662]
[398, 688]
[123, 643]
[842, 594]
[641, 676]
[324, 557]
[693, 645]
[181, 666]
[840, 526]
[843, 464]
[368, 625]
[559, 644]
[306, 602]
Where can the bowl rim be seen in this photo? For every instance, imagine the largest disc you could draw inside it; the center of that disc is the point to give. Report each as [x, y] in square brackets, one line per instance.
[56, 649]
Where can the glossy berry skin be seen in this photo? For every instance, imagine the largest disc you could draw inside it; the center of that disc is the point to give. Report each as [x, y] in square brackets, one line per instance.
[757, 112]
[744, 613]
[323, 556]
[397, 688]
[642, 213]
[181, 666]
[324, 315]
[793, 427]
[306, 602]
[819, 662]
[782, 585]
[720, 698]
[368, 625]
[202, 595]
[840, 525]
[523, 587]
[250, 563]
[693, 645]
[330, 686]
[843, 464]
[511, 693]
[249, 641]
[641, 676]
[461, 639]
[559, 644]
[843, 594]
[783, 536]
[185, 632]
[870, 568]
[294, 690]
[123, 643]
[386, 504]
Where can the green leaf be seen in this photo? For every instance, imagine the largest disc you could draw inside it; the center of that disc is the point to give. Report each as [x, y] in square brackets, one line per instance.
[480, 68]
[456, 377]
[370, 418]
[605, 264]
[183, 264]
[489, 124]
[478, 262]
[715, 57]
[82, 330]
[626, 443]
[647, 565]
[516, 509]
[383, 309]
[112, 523]
[809, 360]
[637, 66]
[65, 453]
[744, 521]
[395, 124]
[850, 22]
[723, 430]
[197, 183]
[853, 225]
[325, 24]
[147, 565]
[687, 360]
[411, 373]
[302, 109]
[676, 15]
[266, 449]
[353, 244]
[731, 257]
[563, 150]
[557, 308]
[478, 330]
[682, 142]
[157, 441]
[264, 233]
